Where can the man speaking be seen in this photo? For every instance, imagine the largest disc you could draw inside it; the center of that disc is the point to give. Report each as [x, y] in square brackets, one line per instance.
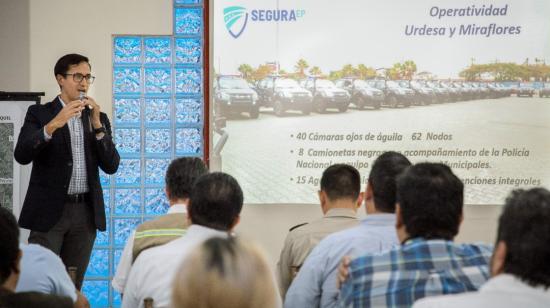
[67, 140]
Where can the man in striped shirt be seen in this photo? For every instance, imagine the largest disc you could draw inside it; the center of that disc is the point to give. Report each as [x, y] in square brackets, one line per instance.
[428, 262]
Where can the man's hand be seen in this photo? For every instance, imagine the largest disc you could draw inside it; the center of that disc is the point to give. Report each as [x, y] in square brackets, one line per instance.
[89, 101]
[343, 271]
[81, 301]
[70, 110]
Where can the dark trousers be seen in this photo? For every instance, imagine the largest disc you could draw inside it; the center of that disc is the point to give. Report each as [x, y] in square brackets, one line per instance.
[72, 238]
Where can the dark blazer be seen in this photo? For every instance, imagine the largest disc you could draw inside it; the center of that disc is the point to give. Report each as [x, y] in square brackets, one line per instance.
[52, 166]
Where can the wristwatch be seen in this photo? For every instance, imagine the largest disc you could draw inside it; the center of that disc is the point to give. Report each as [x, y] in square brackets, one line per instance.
[100, 130]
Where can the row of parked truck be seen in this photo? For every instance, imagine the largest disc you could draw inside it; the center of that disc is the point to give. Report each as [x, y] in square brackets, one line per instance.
[234, 94]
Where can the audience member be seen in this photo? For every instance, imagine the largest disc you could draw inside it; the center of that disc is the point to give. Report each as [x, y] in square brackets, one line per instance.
[340, 197]
[214, 208]
[315, 285]
[10, 257]
[520, 266]
[428, 262]
[180, 177]
[43, 271]
[224, 273]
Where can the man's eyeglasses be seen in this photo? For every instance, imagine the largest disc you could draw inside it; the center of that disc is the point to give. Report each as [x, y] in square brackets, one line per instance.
[77, 77]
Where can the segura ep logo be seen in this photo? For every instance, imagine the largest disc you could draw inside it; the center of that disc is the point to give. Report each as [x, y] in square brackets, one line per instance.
[236, 18]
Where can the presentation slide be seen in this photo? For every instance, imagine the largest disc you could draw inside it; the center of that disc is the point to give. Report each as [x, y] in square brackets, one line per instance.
[300, 85]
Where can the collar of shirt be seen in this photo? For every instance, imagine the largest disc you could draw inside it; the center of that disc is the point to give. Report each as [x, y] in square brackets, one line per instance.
[442, 254]
[177, 208]
[198, 230]
[506, 283]
[340, 212]
[416, 241]
[177, 247]
[61, 101]
[379, 219]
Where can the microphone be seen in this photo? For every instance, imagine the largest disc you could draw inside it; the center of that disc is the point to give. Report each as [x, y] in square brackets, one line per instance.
[86, 111]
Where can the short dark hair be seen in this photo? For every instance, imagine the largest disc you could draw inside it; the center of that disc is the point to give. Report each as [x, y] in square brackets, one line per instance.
[431, 200]
[182, 174]
[9, 244]
[216, 201]
[341, 181]
[524, 226]
[64, 63]
[383, 177]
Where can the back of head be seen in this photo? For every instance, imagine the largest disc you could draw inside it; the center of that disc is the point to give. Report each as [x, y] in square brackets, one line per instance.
[382, 178]
[9, 244]
[431, 199]
[524, 226]
[341, 181]
[224, 272]
[181, 175]
[216, 201]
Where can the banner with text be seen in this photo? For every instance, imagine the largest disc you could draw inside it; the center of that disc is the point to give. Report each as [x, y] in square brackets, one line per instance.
[306, 84]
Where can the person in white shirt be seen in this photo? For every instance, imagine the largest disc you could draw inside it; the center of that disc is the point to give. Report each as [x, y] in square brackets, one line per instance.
[520, 265]
[214, 210]
[180, 177]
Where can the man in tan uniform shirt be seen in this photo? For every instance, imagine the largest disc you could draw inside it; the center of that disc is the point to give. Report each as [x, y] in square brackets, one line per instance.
[340, 196]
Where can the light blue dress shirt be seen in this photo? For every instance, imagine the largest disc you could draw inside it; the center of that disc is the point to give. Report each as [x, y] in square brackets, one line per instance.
[315, 285]
[43, 271]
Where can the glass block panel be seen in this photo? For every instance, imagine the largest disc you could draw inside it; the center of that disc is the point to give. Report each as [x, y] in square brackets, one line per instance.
[158, 50]
[107, 201]
[188, 110]
[157, 141]
[128, 140]
[157, 111]
[188, 141]
[104, 178]
[117, 299]
[155, 169]
[187, 1]
[188, 50]
[117, 253]
[122, 229]
[129, 172]
[127, 50]
[188, 21]
[188, 81]
[158, 80]
[127, 201]
[102, 238]
[157, 96]
[127, 80]
[97, 292]
[156, 202]
[99, 264]
[127, 111]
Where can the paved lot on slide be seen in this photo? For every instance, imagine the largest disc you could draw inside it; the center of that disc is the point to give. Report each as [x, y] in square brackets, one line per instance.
[262, 153]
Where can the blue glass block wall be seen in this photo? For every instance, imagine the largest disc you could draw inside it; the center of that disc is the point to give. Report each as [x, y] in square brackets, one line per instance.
[157, 116]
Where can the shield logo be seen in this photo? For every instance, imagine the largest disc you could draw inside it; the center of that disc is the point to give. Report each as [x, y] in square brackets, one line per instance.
[235, 18]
